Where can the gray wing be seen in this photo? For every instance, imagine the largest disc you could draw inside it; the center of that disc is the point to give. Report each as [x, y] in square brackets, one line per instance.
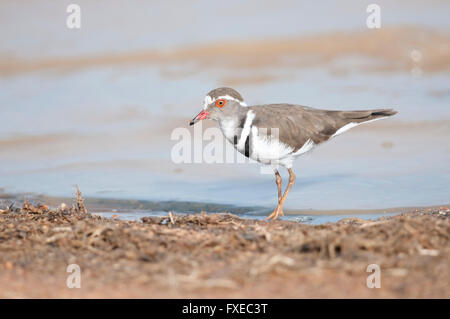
[297, 124]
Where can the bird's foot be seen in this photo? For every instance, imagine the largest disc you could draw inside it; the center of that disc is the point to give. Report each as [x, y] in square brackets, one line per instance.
[275, 214]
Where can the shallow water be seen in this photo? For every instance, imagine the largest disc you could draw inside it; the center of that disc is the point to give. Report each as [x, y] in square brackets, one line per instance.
[107, 127]
[301, 218]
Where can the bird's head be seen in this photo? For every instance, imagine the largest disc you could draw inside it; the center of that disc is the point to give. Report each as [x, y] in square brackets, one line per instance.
[219, 104]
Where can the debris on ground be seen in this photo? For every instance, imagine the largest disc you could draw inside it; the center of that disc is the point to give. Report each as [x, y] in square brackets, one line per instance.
[220, 255]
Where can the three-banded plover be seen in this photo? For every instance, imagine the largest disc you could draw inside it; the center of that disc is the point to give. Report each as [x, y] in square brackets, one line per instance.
[276, 134]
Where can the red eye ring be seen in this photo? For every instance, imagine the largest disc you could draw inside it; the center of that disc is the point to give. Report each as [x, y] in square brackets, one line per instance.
[221, 103]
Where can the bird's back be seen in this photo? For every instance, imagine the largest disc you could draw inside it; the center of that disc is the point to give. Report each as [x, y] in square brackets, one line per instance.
[297, 124]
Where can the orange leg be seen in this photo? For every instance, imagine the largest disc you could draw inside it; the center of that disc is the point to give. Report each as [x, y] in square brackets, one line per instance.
[278, 181]
[279, 210]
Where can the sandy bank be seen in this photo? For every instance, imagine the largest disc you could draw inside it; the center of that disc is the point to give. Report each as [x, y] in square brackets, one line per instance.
[220, 255]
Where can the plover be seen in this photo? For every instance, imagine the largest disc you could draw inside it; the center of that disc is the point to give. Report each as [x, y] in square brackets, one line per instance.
[276, 134]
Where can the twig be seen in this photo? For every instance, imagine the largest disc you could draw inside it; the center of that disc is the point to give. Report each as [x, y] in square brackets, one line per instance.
[80, 202]
[172, 221]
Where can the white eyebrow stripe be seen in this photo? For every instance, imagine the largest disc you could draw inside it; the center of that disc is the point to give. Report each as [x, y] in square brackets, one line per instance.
[246, 129]
[209, 100]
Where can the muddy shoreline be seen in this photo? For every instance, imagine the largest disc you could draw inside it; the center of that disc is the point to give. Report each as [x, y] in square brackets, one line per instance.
[99, 204]
[220, 255]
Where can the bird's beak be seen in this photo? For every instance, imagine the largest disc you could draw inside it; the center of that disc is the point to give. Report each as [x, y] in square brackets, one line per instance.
[201, 116]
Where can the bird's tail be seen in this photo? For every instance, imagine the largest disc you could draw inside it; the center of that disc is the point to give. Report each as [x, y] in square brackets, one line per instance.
[366, 115]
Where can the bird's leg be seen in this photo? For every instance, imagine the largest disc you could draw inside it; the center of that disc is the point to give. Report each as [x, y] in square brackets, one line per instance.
[278, 181]
[279, 210]
[288, 188]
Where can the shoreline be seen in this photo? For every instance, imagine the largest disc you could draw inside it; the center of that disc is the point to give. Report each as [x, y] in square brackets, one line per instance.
[221, 256]
[99, 204]
[333, 212]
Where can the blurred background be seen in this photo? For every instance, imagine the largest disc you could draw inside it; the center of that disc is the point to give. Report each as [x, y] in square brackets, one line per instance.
[96, 106]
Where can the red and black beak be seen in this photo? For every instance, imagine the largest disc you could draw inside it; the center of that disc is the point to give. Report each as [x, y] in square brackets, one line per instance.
[201, 116]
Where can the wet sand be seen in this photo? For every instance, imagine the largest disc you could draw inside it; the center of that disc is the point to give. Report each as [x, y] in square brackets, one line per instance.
[220, 255]
[386, 50]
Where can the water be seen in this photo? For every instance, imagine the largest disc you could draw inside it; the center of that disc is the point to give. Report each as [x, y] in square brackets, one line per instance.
[106, 126]
[301, 218]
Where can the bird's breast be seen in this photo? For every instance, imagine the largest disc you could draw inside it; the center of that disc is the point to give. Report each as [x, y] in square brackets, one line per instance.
[229, 129]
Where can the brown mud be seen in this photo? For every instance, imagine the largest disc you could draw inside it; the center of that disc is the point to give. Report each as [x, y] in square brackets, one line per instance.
[220, 255]
[390, 47]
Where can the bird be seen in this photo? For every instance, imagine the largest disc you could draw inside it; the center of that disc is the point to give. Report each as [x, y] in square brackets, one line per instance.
[277, 134]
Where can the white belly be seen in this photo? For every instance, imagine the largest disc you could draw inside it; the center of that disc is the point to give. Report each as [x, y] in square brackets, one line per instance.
[268, 150]
[264, 149]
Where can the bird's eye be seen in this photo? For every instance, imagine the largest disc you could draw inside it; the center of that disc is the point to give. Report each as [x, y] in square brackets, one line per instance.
[221, 103]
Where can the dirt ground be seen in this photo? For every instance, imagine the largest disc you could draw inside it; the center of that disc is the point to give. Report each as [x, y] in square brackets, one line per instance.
[221, 255]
